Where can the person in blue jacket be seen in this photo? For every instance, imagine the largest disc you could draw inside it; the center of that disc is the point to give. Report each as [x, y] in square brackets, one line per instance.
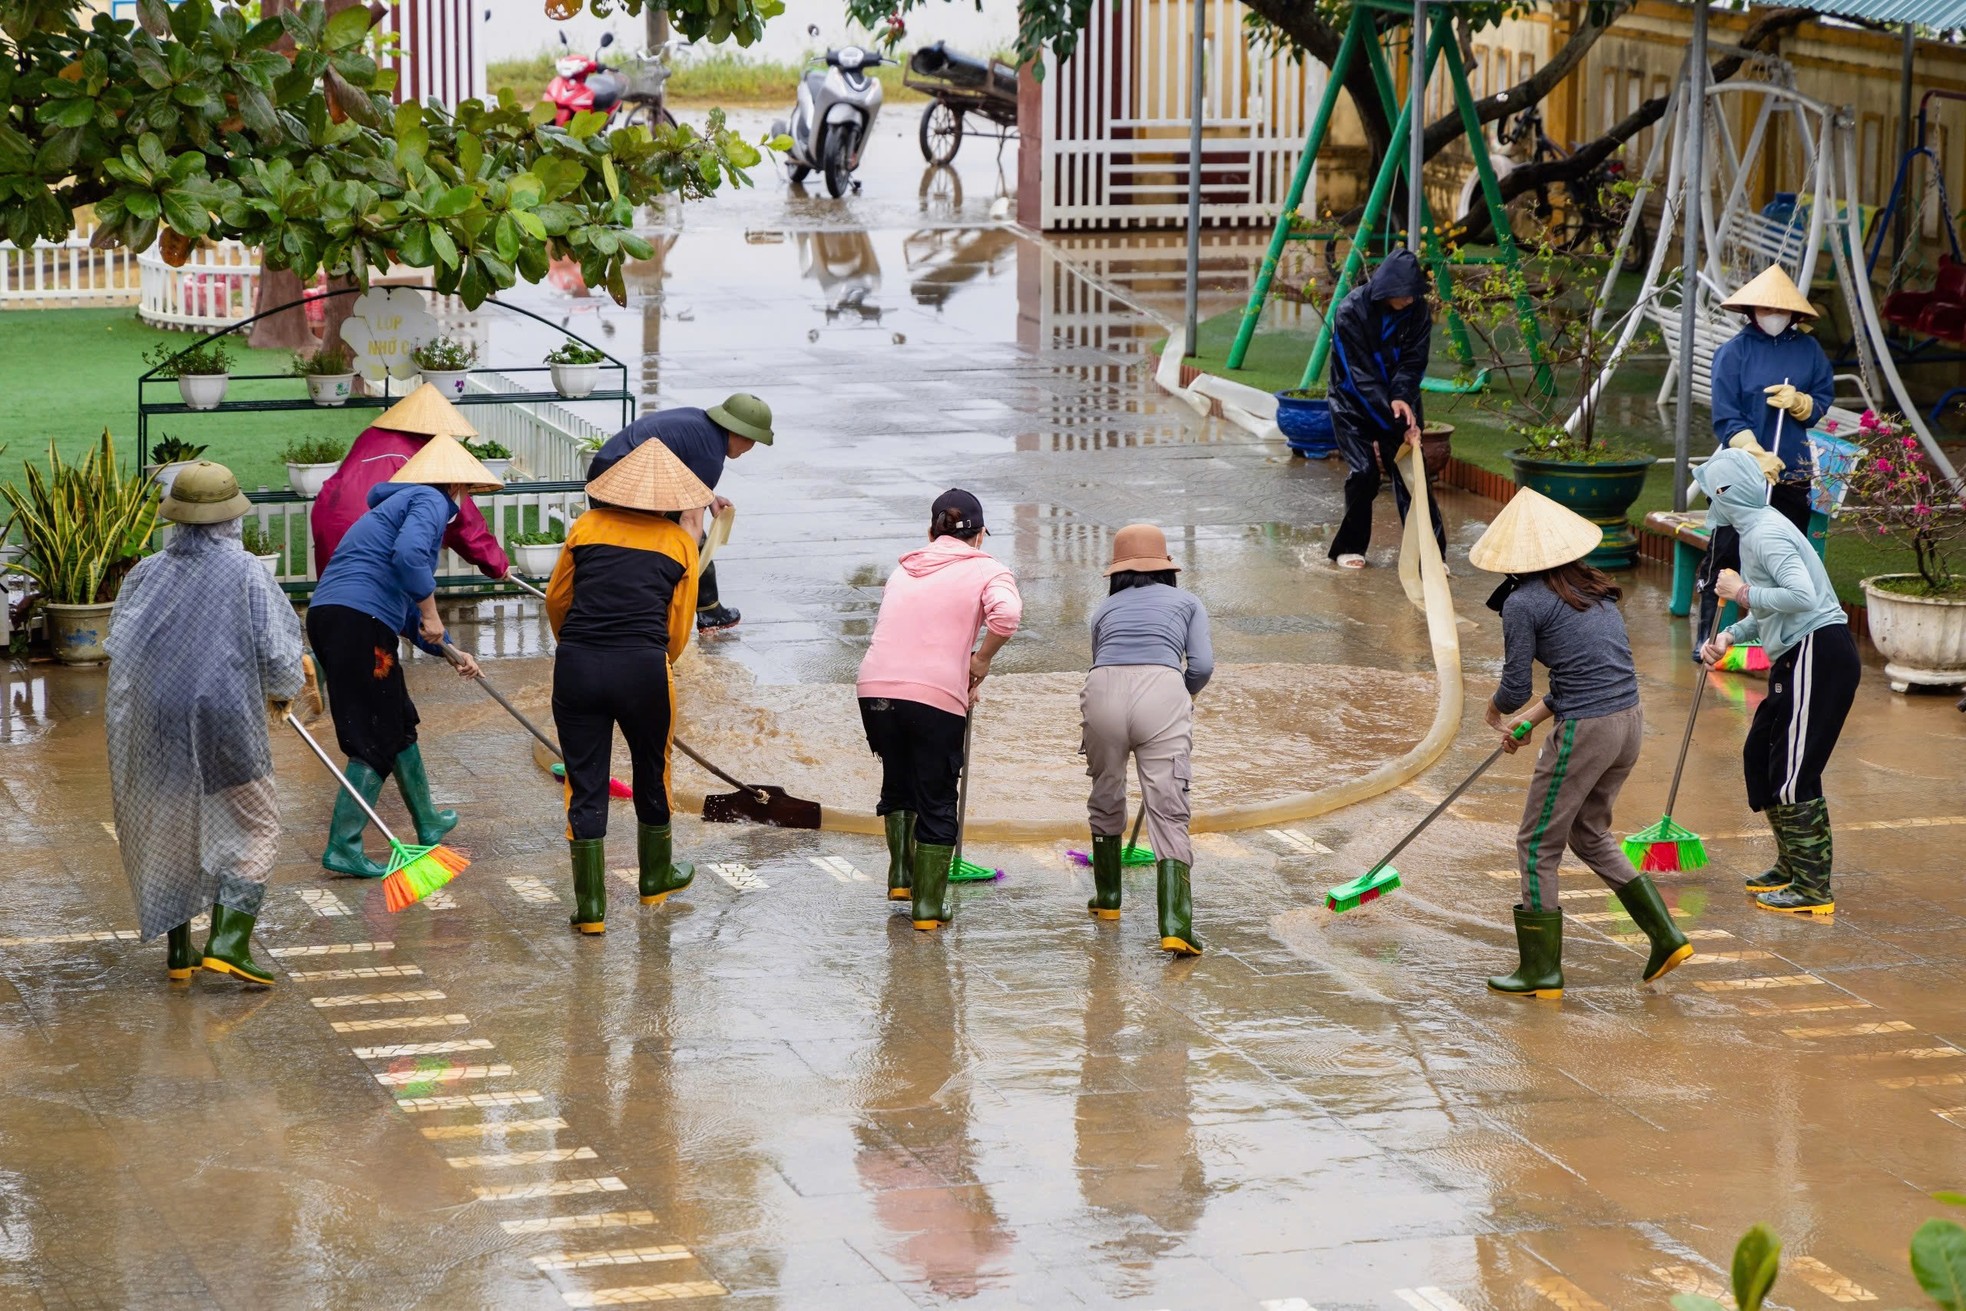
[1771, 382]
[1380, 335]
[1793, 611]
[380, 586]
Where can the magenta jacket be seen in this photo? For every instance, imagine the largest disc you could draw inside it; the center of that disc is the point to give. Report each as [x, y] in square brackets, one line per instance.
[931, 609]
[374, 458]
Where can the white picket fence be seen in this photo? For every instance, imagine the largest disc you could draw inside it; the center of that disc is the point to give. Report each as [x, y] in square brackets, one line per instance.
[65, 274]
[215, 288]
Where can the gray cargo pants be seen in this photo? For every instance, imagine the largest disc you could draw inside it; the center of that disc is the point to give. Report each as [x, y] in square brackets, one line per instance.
[1143, 711]
[1583, 764]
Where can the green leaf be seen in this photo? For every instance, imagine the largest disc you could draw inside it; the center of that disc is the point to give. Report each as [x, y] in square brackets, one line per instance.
[1757, 1260]
[470, 154]
[257, 111]
[346, 29]
[67, 113]
[453, 202]
[1950, 1198]
[608, 175]
[185, 213]
[586, 123]
[529, 223]
[1938, 1261]
[408, 115]
[154, 16]
[505, 236]
[143, 204]
[441, 243]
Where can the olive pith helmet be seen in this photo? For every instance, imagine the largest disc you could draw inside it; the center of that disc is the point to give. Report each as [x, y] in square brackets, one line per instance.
[443, 462]
[1770, 289]
[745, 415]
[1531, 534]
[427, 411]
[204, 493]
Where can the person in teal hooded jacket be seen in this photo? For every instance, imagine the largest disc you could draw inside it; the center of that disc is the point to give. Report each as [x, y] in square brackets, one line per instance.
[1792, 610]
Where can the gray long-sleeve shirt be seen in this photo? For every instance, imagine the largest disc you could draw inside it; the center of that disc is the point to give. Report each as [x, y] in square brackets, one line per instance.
[1587, 652]
[1154, 625]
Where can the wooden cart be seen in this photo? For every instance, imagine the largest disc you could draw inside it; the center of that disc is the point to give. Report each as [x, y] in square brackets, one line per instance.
[961, 87]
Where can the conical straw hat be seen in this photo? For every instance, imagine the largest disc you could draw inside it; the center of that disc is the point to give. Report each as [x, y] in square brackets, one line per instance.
[1534, 533]
[1770, 289]
[650, 477]
[426, 411]
[443, 463]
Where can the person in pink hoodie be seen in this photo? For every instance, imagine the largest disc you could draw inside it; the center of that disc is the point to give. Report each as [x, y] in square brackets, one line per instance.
[917, 683]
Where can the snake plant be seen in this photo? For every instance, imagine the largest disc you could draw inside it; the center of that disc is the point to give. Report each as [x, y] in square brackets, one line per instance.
[82, 525]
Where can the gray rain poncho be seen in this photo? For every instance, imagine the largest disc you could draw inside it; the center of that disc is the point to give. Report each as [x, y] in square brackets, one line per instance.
[200, 640]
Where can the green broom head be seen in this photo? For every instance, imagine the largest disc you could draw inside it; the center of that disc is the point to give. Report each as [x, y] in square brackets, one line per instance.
[1137, 856]
[963, 871]
[1370, 886]
[416, 872]
[1666, 846]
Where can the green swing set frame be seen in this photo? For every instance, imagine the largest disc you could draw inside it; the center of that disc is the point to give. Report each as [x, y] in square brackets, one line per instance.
[1362, 35]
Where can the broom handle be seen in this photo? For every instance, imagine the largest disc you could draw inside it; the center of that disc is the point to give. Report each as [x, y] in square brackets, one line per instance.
[1521, 732]
[1138, 820]
[451, 654]
[523, 585]
[962, 792]
[341, 778]
[1699, 690]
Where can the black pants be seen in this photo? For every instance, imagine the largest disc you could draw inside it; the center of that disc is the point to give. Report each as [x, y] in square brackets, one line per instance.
[1362, 488]
[1810, 690]
[921, 751]
[596, 689]
[706, 587]
[374, 718]
[1791, 501]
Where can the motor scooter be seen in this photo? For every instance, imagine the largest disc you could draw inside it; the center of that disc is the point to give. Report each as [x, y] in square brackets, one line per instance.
[833, 118]
[580, 84]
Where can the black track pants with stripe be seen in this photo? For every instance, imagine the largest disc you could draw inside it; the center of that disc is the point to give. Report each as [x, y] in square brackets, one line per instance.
[1809, 694]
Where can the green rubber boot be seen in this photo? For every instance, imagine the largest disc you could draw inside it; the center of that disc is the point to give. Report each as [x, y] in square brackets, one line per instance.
[661, 875]
[929, 890]
[590, 884]
[1779, 875]
[229, 949]
[180, 957]
[1177, 912]
[1106, 887]
[1539, 942]
[1805, 833]
[344, 854]
[432, 824]
[1670, 949]
[900, 852]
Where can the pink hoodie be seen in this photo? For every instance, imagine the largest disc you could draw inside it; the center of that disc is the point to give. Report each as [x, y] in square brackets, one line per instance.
[930, 612]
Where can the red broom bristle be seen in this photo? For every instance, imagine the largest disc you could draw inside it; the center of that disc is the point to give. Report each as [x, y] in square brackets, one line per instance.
[1661, 857]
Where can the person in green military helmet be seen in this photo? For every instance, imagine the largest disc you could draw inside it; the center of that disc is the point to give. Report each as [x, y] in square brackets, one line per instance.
[200, 641]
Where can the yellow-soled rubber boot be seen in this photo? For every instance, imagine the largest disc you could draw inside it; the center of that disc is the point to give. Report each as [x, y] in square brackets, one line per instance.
[180, 957]
[1805, 835]
[1539, 945]
[900, 852]
[1106, 885]
[655, 855]
[590, 884]
[1177, 912]
[229, 949]
[1670, 949]
[929, 891]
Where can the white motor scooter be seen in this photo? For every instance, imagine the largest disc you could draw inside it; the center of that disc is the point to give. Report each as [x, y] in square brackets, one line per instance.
[833, 118]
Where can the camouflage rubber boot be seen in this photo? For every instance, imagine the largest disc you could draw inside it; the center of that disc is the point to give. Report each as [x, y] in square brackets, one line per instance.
[1105, 903]
[1806, 836]
[900, 852]
[1777, 876]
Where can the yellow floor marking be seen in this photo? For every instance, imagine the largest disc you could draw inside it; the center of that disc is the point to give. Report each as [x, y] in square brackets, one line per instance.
[1907, 1054]
[441, 899]
[546, 1125]
[738, 876]
[56, 939]
[1851, 1030]
[1601, 917]
[563, 1224]
[322, 902]
[1803, 1007]
[405, 1022]
[1924, 1081]
[458, 1101]
[840, 868]
[422, 1048]
[610, 1256]
[442, 1074]
[1837, 1288]
[1566, 1295]
[1763, 981]
[377, 998]
[1725, 957]
[545, 1156]
[1686, 1279]
[1696, 935]
[533, 890]
[1504, 873]
[1299, 842]
[364, 972]
[646, 1293]
[554, 1188]
[330, 949]
[1947, 1114]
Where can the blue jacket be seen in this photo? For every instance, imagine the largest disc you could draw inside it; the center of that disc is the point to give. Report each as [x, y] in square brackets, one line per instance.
[387, 562]
[1379, 355]
[689, 434]
[1743, 370]
[1789, 592]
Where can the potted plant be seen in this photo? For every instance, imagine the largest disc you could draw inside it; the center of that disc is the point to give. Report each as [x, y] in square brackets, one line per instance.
[493, 456]
[535, 554]
[1918, 619]
[1304, 415]
[82, 527]
[576, 369]
[330, 374]
[167, 456]
[201, 372]
[261, 545]
[444, 363]
[311, 461]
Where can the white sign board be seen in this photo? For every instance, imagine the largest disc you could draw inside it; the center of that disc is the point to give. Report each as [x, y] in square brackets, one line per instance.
[386, 324]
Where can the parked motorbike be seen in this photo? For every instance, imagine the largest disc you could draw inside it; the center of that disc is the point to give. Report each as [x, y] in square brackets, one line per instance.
[833, 118]
[626, 97]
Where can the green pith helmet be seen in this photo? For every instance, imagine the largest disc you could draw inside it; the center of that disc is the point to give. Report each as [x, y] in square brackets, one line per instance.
[745, 415]
[204, 493]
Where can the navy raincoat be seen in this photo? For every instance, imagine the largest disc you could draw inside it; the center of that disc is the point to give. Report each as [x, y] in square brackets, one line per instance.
[1378, 356]
[1743, 370]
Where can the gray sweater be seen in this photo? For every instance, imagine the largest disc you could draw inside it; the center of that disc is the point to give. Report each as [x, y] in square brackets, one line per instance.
[1154, 625]
[1587, 652]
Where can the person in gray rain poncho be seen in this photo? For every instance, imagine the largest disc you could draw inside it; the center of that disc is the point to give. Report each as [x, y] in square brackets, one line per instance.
[200, 640]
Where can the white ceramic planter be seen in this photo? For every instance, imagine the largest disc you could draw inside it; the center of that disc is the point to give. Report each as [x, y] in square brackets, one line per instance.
[272, 563]
[537, 561]
[308, 479]
[330, 388]
[1922, 638]
[498, 468]
[202, 391]
[78, 633]
[574, 381]
[448, 381]
[167, 474]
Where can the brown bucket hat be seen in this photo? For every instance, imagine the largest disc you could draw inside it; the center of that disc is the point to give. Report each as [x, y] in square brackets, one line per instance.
[1142, 548]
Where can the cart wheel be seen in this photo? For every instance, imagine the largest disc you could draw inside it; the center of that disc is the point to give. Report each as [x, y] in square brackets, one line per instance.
[941, 132]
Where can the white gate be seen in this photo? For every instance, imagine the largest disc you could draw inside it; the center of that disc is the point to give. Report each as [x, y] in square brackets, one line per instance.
[1115, 120]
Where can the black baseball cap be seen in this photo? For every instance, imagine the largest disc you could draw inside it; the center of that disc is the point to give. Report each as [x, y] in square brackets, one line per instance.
[966, 506]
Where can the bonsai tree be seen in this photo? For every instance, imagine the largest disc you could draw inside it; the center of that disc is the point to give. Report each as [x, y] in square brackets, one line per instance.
[1894, 493]
[82, 526]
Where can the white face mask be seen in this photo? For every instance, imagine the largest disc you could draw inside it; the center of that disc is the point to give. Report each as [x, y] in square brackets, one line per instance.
[1773, 322]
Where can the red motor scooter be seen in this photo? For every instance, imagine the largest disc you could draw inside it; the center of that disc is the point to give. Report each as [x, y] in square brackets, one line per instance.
[581, 84]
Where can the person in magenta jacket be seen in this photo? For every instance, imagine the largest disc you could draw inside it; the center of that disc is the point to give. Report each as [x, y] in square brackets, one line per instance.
[917, 683]
[377, 454]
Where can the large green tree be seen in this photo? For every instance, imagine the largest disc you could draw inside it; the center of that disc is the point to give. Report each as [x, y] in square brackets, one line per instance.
[197, 121]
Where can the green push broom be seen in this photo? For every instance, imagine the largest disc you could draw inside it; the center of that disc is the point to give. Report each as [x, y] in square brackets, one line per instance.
[1666, 845]
[1382, 877]
[1132, 854]
[414, 872]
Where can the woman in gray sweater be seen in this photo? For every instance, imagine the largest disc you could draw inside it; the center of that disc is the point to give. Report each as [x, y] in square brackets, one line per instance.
[1150, 656]
[1560, 612]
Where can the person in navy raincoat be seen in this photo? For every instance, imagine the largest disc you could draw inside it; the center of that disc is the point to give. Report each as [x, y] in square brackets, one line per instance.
[1380, 334]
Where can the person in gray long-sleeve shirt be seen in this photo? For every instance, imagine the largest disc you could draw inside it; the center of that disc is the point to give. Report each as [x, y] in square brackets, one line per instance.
[1154, 626]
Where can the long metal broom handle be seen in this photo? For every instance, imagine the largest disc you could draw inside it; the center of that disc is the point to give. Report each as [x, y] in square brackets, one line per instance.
[341, 778]
[1699, 694]
[451, 653]
[523, 585]
[1521, 734]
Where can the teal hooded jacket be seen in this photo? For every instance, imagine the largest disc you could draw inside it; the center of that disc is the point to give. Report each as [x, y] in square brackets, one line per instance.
[1789, 592]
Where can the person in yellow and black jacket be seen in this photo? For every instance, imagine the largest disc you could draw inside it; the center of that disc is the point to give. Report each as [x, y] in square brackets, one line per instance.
[622, 603]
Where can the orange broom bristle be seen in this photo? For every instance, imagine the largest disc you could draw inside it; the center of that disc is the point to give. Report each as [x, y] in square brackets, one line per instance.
[420, 872]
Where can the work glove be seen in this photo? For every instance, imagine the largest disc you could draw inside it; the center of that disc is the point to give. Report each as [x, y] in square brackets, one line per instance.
[1771, 464]
[1799, 405]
